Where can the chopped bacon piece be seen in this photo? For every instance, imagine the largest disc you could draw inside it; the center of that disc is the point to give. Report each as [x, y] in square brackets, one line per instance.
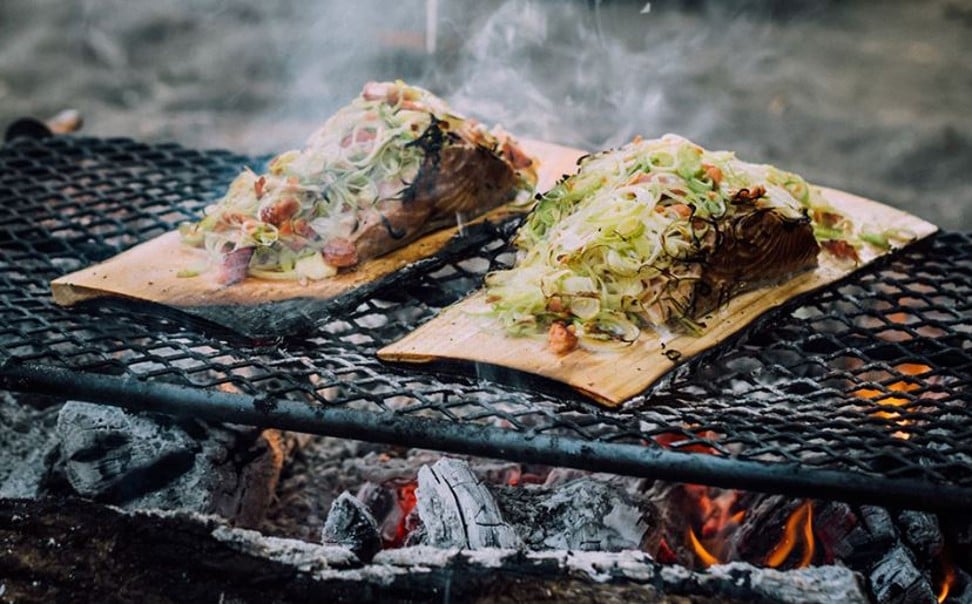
[555, 304]
[233, 267]
[279, 211]
[841, 249]
[340, 252]
[303, 228]
[561, 338]
[259, 187]
[713, 172]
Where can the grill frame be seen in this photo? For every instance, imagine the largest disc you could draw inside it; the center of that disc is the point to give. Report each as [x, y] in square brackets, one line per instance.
[68, 202]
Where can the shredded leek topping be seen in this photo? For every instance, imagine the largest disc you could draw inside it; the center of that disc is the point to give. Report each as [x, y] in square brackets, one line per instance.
[365, 153]
[615, 248]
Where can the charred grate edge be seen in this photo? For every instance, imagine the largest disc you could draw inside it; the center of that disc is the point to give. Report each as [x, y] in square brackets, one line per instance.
[860, 390]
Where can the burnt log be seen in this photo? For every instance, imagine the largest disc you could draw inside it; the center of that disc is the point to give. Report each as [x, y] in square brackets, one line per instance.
[833, 523]
[457, 510]
[71, 549]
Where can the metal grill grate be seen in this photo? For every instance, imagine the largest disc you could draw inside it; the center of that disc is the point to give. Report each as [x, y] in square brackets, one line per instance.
[860, 393]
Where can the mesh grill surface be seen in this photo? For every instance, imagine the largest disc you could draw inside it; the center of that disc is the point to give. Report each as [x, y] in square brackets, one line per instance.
[828, 383]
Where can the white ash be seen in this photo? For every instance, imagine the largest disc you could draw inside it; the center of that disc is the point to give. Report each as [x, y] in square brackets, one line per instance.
[308, 557]
[27, 443]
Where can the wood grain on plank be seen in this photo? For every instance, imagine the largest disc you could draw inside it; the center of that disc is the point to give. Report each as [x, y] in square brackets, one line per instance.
[465, 332]
[150, 271]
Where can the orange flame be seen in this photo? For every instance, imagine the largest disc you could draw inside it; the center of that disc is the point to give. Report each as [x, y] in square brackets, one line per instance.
[799, 524]
[714, 522]
[947, 582]
[705, 557]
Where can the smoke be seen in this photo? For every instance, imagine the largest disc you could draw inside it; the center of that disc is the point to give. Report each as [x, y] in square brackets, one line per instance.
[590, 75]
[869, 100]
[811, 87]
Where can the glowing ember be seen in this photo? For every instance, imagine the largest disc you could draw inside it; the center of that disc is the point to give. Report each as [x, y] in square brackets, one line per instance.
[717, 515]
[909, 369]
[714, 544]
[406, 503]
[674, 440]
[799, 528]
[665, 555]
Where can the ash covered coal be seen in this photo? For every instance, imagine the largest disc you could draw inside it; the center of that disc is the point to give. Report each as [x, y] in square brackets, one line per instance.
[138, 461]
[870, 100]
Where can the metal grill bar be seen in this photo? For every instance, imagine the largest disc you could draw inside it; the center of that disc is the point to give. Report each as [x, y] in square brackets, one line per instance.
[860, 393]
[633, 460]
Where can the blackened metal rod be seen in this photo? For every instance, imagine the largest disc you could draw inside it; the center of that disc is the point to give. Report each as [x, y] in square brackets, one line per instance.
[484, 440]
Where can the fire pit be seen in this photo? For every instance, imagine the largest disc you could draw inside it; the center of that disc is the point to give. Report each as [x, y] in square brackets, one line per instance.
[855, 397]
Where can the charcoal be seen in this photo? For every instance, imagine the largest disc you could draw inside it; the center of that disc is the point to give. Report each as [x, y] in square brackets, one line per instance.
[879, 524]
[382, 504]
[350, 524]
[458, 510]
[144, 461]
[581, 514]
[834, 523]
[871, 539]
[920, 531]
[115, 455]
[895, 579]
[315, 476]
[417, 535]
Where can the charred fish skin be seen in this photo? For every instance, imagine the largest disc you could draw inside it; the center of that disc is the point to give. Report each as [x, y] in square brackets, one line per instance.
[760, 247]
[457, 180]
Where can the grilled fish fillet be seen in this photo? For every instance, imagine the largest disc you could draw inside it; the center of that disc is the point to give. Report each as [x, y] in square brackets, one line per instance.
[394, 164]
